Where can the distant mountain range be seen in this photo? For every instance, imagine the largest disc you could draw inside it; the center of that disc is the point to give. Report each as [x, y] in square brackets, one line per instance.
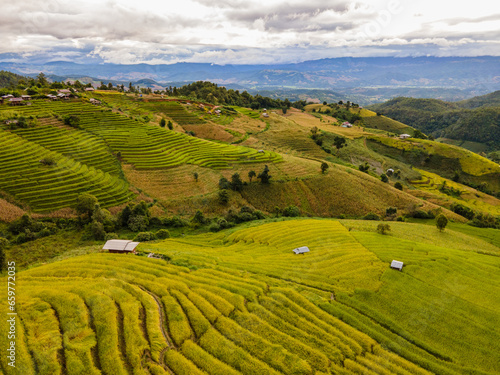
[371, 79]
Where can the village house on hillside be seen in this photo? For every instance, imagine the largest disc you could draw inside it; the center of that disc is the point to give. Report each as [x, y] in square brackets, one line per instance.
[404, 136]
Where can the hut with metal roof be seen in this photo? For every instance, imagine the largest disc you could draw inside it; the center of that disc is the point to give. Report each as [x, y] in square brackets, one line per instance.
[397, 265]
[301, 250]
[120, 246]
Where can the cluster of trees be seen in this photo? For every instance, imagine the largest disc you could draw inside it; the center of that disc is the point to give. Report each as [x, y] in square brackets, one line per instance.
[477, 219]
[27, 229]
[212, 93]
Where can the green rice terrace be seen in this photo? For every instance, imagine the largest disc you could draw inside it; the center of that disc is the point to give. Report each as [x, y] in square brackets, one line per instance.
[48, 165]
[240, 302]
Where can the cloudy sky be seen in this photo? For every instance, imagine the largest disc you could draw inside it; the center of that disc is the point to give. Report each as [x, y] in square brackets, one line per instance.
[244, 31]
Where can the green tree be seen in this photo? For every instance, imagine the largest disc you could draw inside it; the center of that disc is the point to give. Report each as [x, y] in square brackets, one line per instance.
[339, 142]
[224, 183]
[163, 122]
[324, 167]
[199, 218]
[264, 176]
[251, 175]
[384, 177]
[170, 125]
[398, 185]
[195, 175]
[138, 223]
[383, 228]
[291, 211]
[85, 205]
[162, 234]
[42, 80]
[441, 222]
[72, 120]
[236, 182]
[223, 196]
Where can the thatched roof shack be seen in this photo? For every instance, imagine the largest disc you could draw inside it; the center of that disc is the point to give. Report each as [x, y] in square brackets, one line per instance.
[120, 246]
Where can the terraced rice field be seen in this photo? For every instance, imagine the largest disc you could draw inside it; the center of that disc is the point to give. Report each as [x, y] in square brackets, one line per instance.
[175, 111]
[151, 147]
[50, 187]
[80, 146]
[329, 311]
[111, 314]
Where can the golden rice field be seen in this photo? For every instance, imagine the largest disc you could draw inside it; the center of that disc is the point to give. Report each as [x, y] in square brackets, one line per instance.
[248, 305]
[240, 302]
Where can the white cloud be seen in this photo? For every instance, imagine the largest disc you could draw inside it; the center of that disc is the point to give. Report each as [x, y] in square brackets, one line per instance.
[242, 31]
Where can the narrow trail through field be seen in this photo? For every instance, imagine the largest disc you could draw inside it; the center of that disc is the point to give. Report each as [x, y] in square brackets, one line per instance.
[163, 323]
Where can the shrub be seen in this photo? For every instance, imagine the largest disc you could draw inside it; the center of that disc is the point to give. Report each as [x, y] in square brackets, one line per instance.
[145, 236]
[97, 230]
[224, 183]
[214, 227]
[384, 177]
[291, 211]
[48, 160]
[175, 222]
[364, 167]
[45, 232]
[236, 182]
[324, 167]
[421, 214]
[156, 221]
[371, 216]
[85, 204]
[72, 120]
[163, 122]
[199, 218]
[223, 196]
[138, 223]
[391, 211]
[162, 234]
[264, 176]
[441, 222]
[485, 221]
[462, 211]
[398, 185]
[111, 236]
[383, 228]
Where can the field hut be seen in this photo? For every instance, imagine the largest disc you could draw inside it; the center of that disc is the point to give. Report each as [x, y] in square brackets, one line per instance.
[16, 101]
[397, 265]
[301, 250]
[120, 246]
[404, 136]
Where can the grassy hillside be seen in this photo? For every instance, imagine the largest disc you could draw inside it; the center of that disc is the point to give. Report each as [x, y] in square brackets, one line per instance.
[240, 302]
[475, 120]
[446, 160]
